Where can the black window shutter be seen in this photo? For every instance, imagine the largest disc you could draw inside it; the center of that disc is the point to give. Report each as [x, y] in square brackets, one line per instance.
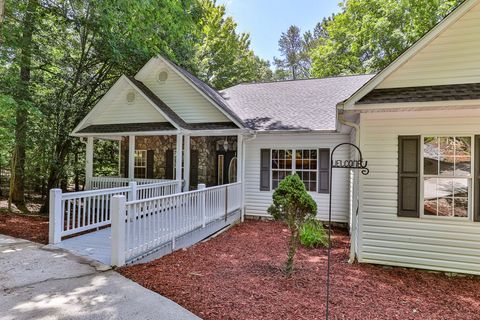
[323, 170]
[150, 164]
[264, 169]
[194, 168]
[409, 148]
[125, 168]
[476, 164]
[169, 164]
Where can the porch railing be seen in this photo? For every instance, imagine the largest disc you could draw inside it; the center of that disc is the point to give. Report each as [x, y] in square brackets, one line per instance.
[138, 227]
[116, 182]
[76, 212]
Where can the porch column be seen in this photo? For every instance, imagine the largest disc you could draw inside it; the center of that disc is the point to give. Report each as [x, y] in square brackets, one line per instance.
[178, 159]
[186, 161]
[240, 158]
[240, 164]
[89, 161]
[131, 157]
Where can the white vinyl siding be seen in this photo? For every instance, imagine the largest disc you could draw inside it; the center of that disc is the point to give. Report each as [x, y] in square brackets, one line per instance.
[257, 201]
[425, 242]
[451, 58]
[180, 96]
[116, 109]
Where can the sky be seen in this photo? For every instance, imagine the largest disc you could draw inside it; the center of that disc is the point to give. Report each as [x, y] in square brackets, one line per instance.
[265, 20]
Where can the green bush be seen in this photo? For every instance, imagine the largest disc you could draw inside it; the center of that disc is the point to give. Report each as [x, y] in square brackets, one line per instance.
[312, 234]
[293, 205]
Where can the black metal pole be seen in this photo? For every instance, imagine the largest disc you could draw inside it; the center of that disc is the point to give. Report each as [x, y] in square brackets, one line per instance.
[361, 165]
[329, 249]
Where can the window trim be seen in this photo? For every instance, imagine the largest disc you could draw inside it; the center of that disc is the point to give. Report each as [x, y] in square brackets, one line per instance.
[294, 165]
[471, 208]
[142, 167]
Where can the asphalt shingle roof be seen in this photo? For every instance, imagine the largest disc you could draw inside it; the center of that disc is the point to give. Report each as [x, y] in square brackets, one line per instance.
[303, 105]
[469, 91]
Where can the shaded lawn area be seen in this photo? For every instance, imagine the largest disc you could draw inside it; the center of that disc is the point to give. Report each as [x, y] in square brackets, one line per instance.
[237, 275]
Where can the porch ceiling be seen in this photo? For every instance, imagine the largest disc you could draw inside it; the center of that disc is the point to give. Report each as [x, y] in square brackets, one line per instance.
[128, 127]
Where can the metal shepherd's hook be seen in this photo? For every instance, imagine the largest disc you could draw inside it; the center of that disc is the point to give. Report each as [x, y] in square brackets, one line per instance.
[339, 164]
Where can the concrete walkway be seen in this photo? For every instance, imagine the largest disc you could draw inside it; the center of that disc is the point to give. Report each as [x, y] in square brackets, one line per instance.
[40, 282]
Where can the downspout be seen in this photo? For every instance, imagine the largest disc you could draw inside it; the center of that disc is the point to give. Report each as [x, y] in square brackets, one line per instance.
[251, 138]
[354, 230]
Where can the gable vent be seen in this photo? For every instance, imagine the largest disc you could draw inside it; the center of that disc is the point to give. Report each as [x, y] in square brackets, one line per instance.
[162, 76]
[130, 96]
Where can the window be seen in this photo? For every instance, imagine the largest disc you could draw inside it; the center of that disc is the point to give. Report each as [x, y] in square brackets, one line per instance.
[302, 161]
[232, 170]
[281, 165]
[447, 176]
[306, 168]
[140, 164]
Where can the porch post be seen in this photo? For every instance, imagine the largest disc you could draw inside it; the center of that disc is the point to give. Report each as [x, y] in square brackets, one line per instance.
[131, 157]
[240, 164]
[89, 162]
[186, 161]
[178, 160]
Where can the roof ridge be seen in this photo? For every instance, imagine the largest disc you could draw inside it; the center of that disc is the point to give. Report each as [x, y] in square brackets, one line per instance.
[298, 80]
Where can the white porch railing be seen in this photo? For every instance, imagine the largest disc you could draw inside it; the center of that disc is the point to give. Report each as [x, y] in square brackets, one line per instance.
[76, 212]
[116, 182]
[138, 227]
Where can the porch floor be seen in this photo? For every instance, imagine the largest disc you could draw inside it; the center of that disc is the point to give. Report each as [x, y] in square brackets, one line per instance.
[94, 245]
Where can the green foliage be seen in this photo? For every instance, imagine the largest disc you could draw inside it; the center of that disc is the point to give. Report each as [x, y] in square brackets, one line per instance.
[294, 50]
[80, 48]
[224, 57]
[369, 34]
[312, 234]
[293, 205]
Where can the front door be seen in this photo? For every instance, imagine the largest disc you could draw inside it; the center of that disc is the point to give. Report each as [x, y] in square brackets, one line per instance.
[226, 167]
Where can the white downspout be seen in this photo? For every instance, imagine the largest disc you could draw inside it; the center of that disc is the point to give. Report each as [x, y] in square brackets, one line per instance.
[354, 230]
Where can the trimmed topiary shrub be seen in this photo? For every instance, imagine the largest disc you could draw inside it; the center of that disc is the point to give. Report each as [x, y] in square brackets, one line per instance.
[293, 205]
[312, 234]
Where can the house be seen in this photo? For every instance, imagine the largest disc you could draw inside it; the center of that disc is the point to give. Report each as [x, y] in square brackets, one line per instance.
[417, 123]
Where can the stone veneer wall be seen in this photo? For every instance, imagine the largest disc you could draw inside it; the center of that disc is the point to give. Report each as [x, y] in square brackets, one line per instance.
[206, 147]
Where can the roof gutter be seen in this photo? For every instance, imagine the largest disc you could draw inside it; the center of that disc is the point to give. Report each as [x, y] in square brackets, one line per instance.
[354, 226]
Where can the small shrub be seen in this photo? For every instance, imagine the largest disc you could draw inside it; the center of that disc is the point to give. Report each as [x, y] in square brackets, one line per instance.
[293, 205]
[312, 234]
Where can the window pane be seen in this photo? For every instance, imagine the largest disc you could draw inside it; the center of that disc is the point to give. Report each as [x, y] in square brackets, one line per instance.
[445, 206]
[430, 196]
[446, 156]
[462, 166]
[463, 146]
[430, 156]
[461, 207]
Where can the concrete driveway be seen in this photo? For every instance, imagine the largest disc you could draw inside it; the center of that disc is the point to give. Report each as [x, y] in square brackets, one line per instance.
[40, 282]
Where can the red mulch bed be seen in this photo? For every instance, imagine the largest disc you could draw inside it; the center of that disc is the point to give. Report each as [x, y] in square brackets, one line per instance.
[238, 276]
[33, 228]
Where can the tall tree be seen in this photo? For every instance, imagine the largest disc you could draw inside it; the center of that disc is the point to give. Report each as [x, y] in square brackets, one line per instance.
[224, 56]
[23, 98]
[294, 51]
[368, 34]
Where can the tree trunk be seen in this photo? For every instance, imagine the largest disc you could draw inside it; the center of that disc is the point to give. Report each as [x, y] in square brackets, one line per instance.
[293, 243]
[17, 192]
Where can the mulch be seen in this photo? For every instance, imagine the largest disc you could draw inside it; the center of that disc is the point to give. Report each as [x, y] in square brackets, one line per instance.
[238, 275]
[33, 228]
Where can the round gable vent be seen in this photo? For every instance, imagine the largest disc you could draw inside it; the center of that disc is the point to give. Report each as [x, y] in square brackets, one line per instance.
[162, 76]
[130, 96]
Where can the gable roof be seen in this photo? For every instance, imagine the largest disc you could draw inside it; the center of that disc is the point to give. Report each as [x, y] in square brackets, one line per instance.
[451, 18]
[298, 105]
[206, 90]
[158, 102]
[455, 92]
